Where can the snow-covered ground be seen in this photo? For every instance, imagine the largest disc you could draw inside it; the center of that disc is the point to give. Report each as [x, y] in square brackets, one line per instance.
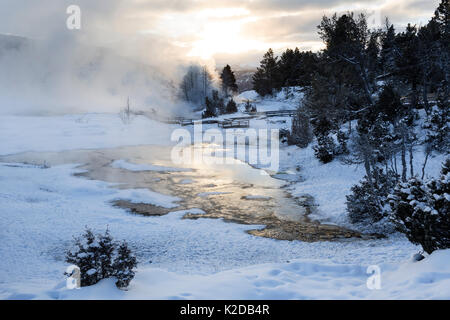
[42, 208]
[78, 131]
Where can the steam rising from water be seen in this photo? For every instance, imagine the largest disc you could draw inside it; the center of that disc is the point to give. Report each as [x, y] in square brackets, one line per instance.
[49, 69]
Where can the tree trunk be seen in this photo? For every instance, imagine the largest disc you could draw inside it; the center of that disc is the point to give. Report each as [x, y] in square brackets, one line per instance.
[367, 167]
[411, 156]
[425, 97]
[427, 154]
[404, 168]
[395, 164]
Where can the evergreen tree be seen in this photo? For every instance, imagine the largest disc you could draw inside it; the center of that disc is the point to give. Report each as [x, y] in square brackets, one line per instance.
[266, 78]
[231, 107]
[287, 68]
[346, 39]
[106, 249]
[301, 133]
[99, 257]
[210, 109]
[437, 125]
[429, 60]
[373, 53]
[421, 210]
[442, 18]
[307, 65]
[389, 105]
[366, 203]
[85, 255]
[228, 81]
[389, 51]
[217, 102]
[124, 265]
[325, 149]
[407, 62]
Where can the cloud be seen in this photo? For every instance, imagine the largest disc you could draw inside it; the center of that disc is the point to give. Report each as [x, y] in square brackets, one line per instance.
[164, 34]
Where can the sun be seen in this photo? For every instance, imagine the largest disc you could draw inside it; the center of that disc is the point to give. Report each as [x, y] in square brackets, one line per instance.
[209, 32]
[223, 35]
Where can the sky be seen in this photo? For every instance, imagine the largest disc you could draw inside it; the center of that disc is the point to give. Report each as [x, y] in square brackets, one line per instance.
[227, 31]
[140, 49]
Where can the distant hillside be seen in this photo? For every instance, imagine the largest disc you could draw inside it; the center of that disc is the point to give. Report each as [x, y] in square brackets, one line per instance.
[244, 79]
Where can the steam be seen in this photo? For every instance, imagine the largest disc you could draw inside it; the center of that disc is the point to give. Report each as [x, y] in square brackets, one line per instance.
[49, 69]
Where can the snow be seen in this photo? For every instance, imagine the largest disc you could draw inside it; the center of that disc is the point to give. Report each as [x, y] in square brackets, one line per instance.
[123, 164]
[147, 196]
[43, 208]
[247, 95]
[79, 131]
[298, 279]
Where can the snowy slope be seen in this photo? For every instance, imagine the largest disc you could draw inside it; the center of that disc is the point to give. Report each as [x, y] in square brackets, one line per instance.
[41, 209]
[298, 279]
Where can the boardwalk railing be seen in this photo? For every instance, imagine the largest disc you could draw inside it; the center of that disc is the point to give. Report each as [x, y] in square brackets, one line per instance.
[276, 113]
[280, 113]
[234, 124]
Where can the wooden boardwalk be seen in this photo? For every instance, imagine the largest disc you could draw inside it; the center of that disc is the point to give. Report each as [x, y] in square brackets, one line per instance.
[232, 122]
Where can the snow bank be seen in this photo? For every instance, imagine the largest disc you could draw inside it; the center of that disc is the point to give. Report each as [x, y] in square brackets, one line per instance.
[299, 279]
[251, 95]
[87, 131]
[43, 208]
[123, 164]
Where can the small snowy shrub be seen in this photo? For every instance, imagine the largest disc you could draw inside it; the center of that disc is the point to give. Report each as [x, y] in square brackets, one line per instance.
[325, 149]
[421, 210]
[366, 204]
[437, 127]
[99, 257]
[301, 133]
[231, 107]
[342, 147]
[249, 107]
[123, 266]
[210, 111]
[85, 255]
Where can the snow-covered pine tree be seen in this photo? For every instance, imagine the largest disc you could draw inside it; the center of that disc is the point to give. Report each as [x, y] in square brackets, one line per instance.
[366, 203]
[124, 264]
[99, 257]
[218, 102]
[231, 107]
[86, 255]
[422, 210]
[210, 110]
[249, 107]
[437, 125]
[301, 133]
[325, 148]
[106, 250]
